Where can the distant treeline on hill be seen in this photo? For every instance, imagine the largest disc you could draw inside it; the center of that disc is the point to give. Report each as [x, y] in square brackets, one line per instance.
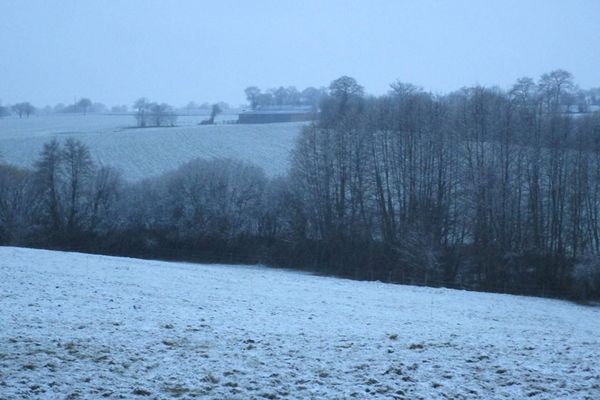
[284, 96]
[482, 189]
[86, 106]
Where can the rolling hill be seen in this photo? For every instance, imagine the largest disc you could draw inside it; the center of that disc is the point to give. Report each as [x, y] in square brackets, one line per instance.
[141, 153]
[87, 326]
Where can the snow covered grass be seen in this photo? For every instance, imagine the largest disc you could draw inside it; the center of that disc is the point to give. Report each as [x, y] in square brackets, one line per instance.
[86, 326]
[141, 153]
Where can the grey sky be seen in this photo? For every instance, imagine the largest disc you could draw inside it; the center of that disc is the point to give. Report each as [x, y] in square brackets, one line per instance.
[177, 51]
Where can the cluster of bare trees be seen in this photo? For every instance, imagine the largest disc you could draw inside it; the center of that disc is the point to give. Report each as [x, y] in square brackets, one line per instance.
[24, 109]
[66, 201]
[482, 188]
[63, 201]
[153, 114]
[284, 96]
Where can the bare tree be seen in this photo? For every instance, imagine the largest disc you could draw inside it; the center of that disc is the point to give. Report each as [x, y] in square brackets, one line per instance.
[215, 110]
[554, 86]
[78, 170]
[141, 107]
[252, 93]
[84, 105]
[48, 186]
[105, 192]
[14, 205]
[345, 86]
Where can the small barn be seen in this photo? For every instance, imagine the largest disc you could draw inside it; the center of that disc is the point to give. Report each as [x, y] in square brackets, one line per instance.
[267, 115]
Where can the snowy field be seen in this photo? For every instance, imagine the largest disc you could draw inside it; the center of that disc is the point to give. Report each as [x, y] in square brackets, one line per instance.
[141, 153]
[85, 326]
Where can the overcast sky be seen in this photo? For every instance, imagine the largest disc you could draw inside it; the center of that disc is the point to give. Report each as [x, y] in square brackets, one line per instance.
[177, 51]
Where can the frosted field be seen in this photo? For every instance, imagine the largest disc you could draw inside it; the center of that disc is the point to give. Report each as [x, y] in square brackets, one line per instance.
[141, 153]
[84, 326]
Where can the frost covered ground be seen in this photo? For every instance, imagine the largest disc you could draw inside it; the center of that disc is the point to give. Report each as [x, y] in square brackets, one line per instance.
[85, 326]
[140, 153]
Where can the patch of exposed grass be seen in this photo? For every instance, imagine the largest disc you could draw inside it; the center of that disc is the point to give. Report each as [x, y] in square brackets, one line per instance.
[176, 390]
[323, 374]
[141, 392]
[210, 378]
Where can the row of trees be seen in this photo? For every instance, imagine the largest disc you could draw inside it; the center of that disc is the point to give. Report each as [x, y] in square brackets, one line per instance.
[83, 106]
[482, 188]
[146, 113]
[26, 109]
[572, 99]
[67, 201]
[284, 96]
[193, 108]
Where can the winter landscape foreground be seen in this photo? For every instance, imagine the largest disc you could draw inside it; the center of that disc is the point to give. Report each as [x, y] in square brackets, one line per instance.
[86, 326]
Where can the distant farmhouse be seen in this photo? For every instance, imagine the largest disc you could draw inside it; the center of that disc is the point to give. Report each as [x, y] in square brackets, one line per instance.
[273, 114]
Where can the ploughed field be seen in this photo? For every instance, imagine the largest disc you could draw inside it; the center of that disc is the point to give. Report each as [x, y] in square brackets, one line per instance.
[142, 153]
[86, 326]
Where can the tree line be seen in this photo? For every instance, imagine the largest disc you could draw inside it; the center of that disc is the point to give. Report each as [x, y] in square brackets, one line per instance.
[284, 96]
[144, 110]
[482, 188]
